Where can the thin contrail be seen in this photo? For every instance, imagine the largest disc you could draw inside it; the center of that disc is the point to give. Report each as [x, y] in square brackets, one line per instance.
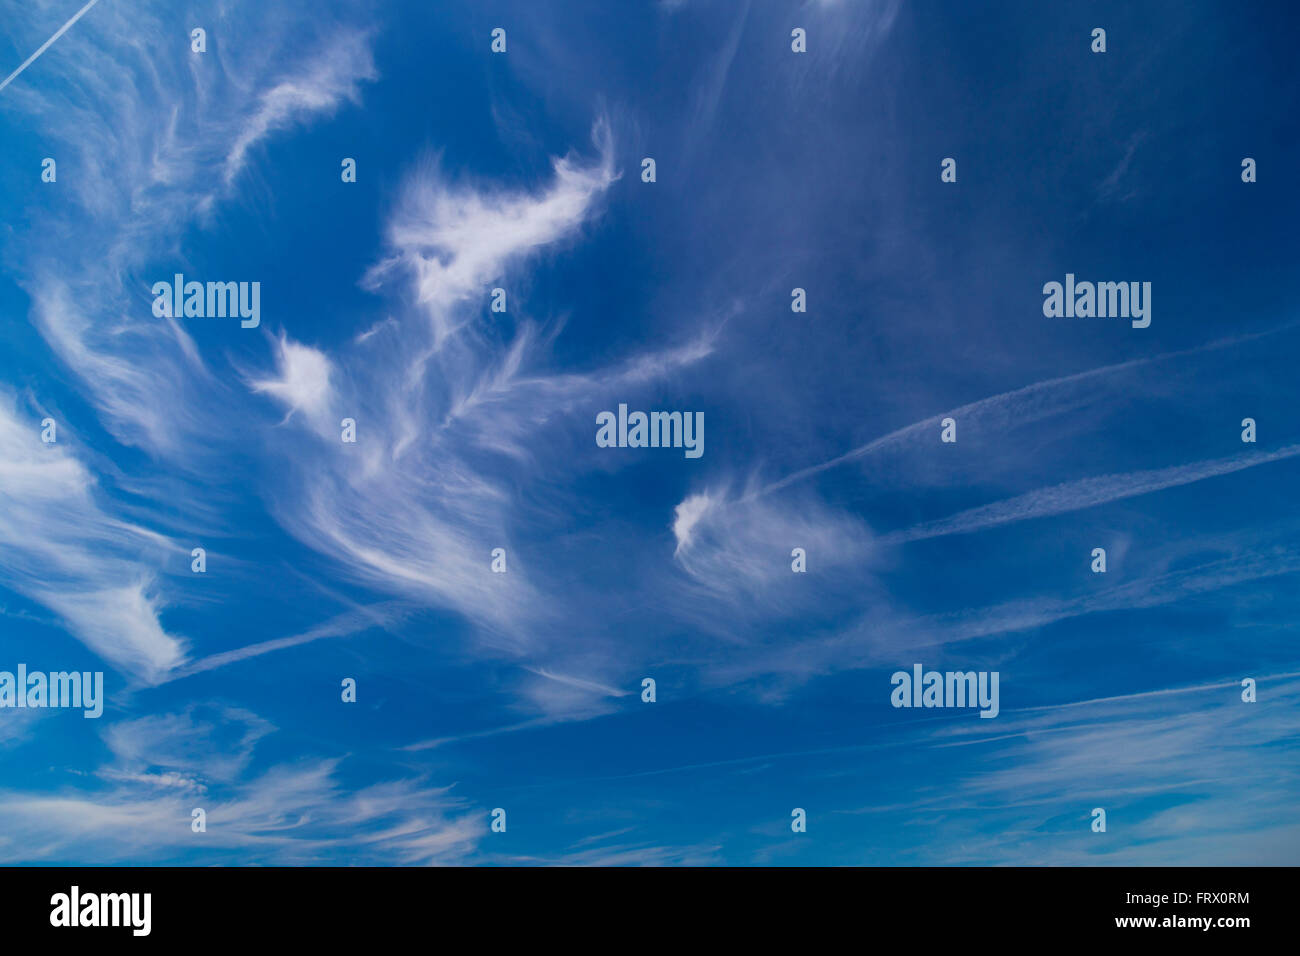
[1083, 493]
[46, 45]
[1044, 387]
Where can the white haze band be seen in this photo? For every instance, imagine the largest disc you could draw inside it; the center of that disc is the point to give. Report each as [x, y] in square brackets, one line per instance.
[56, 689]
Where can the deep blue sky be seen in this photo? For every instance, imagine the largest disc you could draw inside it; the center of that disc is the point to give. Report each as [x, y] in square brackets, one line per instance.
[476, 431]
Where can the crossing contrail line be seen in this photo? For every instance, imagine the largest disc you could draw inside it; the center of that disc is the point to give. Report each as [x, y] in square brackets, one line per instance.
[46, 45]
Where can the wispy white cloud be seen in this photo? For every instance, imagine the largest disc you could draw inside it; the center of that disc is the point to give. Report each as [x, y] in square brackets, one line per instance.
[124, 360]
[587, 686]
[564, 696]
[885, 634]
[740, 547]
[302, 382]
[628, 854]
[1200, 752]
[166, 765]
[688, 514]
[61, 548]
[145, 151]
[332, 76]
[452, 414]
[148, 129]
[733, 577]
[212, 744]
[453, 238]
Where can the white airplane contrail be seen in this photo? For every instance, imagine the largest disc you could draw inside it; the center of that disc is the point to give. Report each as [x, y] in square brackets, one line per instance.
[46, 45]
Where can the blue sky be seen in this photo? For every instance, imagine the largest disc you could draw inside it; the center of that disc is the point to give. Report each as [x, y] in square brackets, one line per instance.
[475, 431]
